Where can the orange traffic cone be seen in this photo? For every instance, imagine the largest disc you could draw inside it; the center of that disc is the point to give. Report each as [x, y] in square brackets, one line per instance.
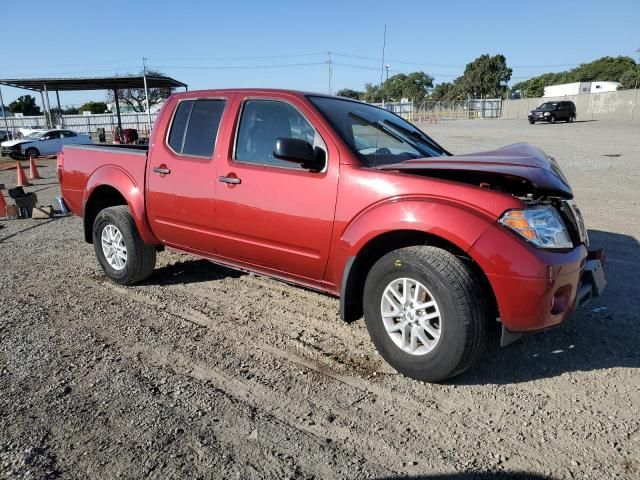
[22, 178]
[33, 170]
[3, 206]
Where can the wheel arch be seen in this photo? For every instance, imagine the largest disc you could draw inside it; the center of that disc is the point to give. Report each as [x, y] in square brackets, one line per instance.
[32, 147]
[358, 266]
[105, 189]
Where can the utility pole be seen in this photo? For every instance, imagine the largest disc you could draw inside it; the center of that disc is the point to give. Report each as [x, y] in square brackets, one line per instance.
[4, 117]
[386, 67]
[384, 44]
[146, 93]
[330, 69]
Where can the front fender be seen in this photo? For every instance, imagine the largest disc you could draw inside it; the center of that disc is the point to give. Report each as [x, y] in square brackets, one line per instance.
[458, 223]
[117, 178]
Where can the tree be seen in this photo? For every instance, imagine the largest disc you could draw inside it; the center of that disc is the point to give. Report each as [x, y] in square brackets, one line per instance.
[135, 97]
[603, 69]
[71, 111]
[371, 93]
[486, 76]
[449, 91]
[347, 92]
[25, 105]
[414, 86]
[93, 107]
[612, 69]
[630, 78]
[417, 86]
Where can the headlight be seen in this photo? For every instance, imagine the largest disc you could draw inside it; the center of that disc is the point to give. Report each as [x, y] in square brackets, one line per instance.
[541, 226]
[546, 113]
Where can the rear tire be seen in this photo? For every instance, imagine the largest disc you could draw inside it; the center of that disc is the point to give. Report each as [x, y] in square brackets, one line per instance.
[455, 341]
[122, 254]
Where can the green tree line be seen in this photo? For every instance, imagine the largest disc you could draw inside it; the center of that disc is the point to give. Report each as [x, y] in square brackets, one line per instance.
[487, 77]
[614, 69]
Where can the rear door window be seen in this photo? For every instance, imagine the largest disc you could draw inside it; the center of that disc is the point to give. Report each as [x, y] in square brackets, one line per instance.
[195, 127]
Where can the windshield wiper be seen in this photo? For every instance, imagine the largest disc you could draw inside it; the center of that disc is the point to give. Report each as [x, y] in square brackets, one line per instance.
[417, 135]
[379, 126]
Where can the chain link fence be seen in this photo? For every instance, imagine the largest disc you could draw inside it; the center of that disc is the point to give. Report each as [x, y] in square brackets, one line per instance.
[88, 124]
[430, 110]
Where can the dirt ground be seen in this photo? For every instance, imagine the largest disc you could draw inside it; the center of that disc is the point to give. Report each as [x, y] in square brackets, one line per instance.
[204, 372]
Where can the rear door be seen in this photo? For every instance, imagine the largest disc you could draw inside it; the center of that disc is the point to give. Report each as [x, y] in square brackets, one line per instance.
[181, 180]
[269, 212]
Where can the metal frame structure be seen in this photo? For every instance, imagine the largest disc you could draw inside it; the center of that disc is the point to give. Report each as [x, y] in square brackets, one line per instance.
[45, 85]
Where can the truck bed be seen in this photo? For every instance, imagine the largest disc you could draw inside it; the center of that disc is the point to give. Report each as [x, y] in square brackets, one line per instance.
[80, 165]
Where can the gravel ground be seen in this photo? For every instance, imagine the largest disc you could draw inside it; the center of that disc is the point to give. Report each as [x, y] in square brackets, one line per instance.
[203, 372]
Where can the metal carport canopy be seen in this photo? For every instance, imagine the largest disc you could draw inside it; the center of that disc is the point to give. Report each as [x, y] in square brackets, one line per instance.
[92, 83]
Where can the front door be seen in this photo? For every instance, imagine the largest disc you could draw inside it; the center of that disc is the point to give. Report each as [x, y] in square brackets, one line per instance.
[50, 143]
[181, 181]
[269, 212]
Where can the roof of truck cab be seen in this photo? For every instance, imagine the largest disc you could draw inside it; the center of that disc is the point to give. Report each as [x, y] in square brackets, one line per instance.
[223, 91]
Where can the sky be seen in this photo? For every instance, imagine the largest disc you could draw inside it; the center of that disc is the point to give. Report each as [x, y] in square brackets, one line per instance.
[285, 44]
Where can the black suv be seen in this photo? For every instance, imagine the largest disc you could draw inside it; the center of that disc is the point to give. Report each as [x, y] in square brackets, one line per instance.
[553, 111]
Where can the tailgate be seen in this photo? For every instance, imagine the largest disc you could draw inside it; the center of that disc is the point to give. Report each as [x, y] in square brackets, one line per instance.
[84, 167]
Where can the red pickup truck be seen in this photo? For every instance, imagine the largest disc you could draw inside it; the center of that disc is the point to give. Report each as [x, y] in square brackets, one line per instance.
[352, 200]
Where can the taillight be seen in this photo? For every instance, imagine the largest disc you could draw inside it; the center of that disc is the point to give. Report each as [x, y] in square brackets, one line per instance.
[60, 165]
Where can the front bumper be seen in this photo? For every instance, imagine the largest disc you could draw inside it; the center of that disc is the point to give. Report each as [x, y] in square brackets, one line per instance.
[593, 281]
[538, 118]
[12, 152]
[537, 289]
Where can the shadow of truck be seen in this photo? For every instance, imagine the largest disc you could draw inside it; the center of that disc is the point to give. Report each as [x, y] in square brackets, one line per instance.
[603, 334]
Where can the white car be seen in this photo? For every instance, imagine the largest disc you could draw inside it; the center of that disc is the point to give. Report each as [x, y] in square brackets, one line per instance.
[26, 130]
[42, 142]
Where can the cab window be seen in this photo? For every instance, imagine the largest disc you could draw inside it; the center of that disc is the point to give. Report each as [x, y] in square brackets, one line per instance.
[195, 127]
[262, 123]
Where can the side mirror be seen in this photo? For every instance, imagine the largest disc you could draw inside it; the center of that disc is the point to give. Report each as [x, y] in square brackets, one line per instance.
[300, 152]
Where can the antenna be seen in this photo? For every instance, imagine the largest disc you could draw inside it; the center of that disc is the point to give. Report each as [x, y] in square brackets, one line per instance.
[330, 69]
[146, 94]
[384, 44]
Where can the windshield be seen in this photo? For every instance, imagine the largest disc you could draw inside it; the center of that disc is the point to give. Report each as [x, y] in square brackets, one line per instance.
[375, 135]
[35, 135]
[548, 106]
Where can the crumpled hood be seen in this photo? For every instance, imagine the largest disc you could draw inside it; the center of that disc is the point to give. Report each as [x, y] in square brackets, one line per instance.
[520, 160]
[11, 143]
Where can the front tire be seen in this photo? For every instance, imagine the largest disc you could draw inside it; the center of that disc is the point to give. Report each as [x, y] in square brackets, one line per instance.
[122, 254]
[552, 119]
[32, 152]
[425, 312]
[532, 122]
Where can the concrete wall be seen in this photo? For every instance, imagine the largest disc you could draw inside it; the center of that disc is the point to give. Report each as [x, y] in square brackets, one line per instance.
[620, 105]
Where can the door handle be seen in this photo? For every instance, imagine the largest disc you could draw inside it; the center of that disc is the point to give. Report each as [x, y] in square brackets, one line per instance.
[162, 170]
[232, 180]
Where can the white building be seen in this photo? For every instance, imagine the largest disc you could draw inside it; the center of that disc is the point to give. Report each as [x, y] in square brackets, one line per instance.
[579, 88]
